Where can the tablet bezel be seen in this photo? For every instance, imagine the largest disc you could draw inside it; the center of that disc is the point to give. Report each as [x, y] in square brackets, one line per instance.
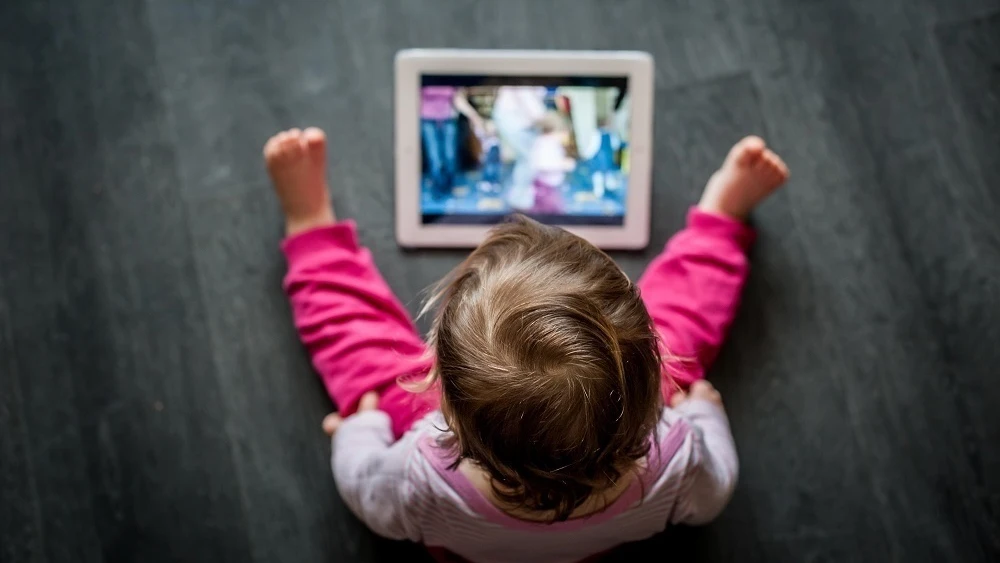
[411, 64]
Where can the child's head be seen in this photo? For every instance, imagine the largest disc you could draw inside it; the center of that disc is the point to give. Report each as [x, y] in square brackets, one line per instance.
[548, 366]
[552, 122]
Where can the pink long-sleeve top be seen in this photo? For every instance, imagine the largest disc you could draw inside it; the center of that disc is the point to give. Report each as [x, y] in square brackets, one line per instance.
[388, 467]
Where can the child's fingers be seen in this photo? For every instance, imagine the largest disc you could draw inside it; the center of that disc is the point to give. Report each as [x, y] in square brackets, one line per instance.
[701, 387]
[677, 398]
[331, 423]
[368, 402]
[706, 391]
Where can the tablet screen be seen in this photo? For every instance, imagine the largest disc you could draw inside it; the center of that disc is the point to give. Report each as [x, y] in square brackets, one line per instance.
[552, 147]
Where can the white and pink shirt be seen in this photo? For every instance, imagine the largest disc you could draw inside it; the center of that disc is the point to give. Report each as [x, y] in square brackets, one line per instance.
[404, 490]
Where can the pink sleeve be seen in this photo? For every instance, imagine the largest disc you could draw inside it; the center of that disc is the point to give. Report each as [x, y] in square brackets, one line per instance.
[358, 334]
[692, 291]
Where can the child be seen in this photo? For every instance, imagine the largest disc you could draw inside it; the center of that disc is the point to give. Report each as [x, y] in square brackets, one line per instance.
[553, 441]
[515, 111]
[550, 163]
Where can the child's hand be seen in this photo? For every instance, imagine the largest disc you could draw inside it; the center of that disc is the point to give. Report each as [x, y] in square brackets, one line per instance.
[749, 175]
[700, 389]
[369, 402]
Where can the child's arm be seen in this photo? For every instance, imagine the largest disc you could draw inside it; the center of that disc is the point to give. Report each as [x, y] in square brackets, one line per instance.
[359, 336]
[692, 291]
[713, 466]
[374, 475]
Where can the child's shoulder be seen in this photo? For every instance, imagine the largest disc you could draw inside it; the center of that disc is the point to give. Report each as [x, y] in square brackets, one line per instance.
[426, 436]
[429, 465]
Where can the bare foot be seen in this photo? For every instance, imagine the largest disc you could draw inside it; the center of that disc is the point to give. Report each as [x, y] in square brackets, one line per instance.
[750, 173]
[296, 162]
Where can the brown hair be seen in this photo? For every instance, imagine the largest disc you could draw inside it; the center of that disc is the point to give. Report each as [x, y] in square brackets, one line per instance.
[548, 366]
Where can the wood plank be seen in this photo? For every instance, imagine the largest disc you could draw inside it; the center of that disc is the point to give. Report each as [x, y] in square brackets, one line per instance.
[20, 511]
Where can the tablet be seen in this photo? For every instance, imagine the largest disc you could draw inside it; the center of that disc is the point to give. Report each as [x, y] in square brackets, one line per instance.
[563, 137]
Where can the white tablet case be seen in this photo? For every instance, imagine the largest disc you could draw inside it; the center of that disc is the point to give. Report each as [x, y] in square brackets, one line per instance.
[412, 64]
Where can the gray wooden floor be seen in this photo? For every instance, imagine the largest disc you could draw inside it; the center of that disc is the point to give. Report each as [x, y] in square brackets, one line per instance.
[156, 406]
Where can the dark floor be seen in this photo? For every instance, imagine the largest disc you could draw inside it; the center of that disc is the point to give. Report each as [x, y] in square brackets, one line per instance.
[154, 402]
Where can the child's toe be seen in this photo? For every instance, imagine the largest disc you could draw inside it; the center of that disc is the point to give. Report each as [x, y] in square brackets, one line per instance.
[290, 146]
[747, 151]
[778, 172]
[273, 150]
[288, 134]
[282, 148]
[778, 165]
[314, 135]
[315, 142]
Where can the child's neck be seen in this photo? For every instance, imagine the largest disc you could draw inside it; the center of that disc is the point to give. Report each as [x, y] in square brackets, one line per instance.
[595, 503]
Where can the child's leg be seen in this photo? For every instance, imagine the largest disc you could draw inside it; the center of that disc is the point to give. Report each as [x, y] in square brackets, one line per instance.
[358, 335]
[692, 289]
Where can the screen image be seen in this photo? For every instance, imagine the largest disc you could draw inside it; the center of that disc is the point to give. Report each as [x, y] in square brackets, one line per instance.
[553, 148]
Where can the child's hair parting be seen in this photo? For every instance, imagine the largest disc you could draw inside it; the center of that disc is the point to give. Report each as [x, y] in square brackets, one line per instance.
[548, 366]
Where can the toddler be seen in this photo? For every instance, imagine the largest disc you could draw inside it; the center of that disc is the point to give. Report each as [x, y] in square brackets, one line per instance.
[566, 410]
[550, 163]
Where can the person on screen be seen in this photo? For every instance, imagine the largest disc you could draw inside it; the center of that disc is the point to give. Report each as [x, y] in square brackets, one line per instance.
[550, 164]
[491, 163]
[563, 409]
[604, 145]
[516, 109]
[439, 109]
